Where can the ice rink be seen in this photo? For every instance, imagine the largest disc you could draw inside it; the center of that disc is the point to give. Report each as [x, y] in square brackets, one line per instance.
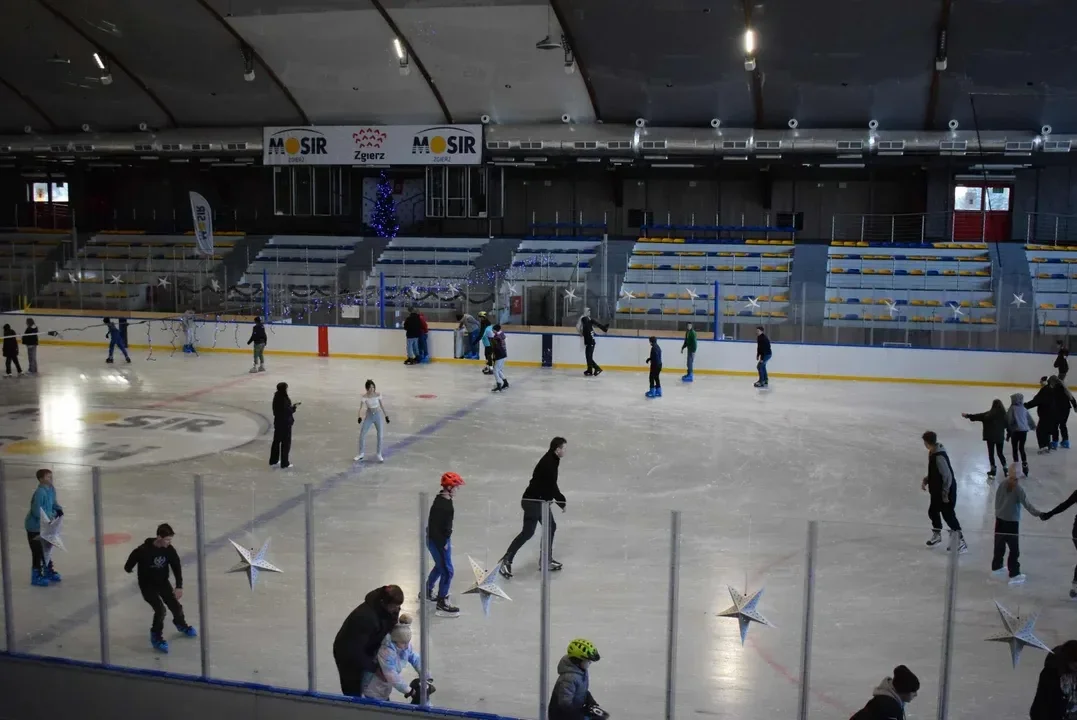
[747, 468]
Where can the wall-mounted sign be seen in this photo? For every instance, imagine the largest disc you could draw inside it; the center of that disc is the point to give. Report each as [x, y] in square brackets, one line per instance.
[373, 145]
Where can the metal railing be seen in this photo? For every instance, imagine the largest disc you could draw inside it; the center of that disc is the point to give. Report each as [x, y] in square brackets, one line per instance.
[1050, 229]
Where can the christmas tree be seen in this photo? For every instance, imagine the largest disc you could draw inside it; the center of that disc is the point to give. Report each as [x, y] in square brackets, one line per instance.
[384, 219]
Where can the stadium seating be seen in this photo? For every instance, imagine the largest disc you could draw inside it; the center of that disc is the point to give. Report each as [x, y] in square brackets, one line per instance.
[1054, 284]
[418, 265]
[20, 254]
[916, 285]
[299, 261]
[554, 259]
[674, 277]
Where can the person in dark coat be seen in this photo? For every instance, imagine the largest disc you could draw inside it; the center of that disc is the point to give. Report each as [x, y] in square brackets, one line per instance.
[1064, 401]
[1062, 363]
[542, 488]
[1056, 690]
[258, 339]
[11, 350]
[1049, 411]
[29, 339]
[283, 419]
[1057, 510]
[890, 697]
[413, 330]
[994, 433]
[356, 645]
[587, 327]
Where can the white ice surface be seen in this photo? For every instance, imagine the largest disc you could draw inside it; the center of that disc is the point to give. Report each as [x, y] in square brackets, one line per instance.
[746, 468]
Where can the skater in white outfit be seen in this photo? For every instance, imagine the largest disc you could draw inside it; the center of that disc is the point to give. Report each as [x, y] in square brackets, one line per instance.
[371, 414]
[189, 330]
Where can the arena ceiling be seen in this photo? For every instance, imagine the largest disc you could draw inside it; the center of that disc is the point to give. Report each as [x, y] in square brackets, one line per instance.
[834, 64]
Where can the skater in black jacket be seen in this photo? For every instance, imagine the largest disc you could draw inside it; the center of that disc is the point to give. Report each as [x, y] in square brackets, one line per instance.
[154, 558]
[283, 419]
[355, 648]
[586, 328]
[11, 350]
[1062, 363]
[258, 339]
[542, 488]
[1049, 405]
[1056, 690]
[1058, 510]
[889, 699]
[29, 341]
[994, 434]
[941, 485]
[413, 330]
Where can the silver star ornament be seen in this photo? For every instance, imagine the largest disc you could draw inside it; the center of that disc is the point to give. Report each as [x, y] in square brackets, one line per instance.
[570, 294]
[71, 278]
[746, 610]
[626, 295]
[51, 529]
[752, 303]
[1018, 299]
[485, 584]
[1018, 633]
[692, 294]
[163, 282]
[891, 307]
[252, 564]
[216, 286]
[116, 280]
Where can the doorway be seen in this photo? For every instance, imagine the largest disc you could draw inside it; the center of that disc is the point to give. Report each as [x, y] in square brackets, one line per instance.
[982, 212]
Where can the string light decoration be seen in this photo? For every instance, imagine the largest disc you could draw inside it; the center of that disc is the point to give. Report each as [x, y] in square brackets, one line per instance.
[384, 219]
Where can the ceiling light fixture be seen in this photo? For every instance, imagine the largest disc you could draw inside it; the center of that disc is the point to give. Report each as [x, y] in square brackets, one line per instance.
[248, 63]
[570, 57]
[749, 50]
[104, 65]
[402, 57]
[399, 49]
[548, 43]
[100, 63]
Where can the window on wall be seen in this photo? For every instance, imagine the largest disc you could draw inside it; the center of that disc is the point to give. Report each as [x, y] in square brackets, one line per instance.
[457, 200]
[322, 191]
[302, 189]
[436, 192]
[282, 191]
[968, 198]
[311, 190]
[998, 199]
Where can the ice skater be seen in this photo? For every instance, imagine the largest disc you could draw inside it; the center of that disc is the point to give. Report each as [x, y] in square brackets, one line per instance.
[43, 501]
[890, 697]
[1056, 689]
[941, 486]
[189, 330]
[154, 558]
[1009, 497]
[690, 345]
[413, 329]
[424, 339]
[1048, 406]
[1018, 424]
[439, 543]
[1058, 510]
[762, 356]
[259, 339]
[994, 433]
[1062, 363]
[487, 341]
[283, 420]
[371, 414]
[571, 697]
[11, 351]
[29, 341]
[586, 328]
[654, 377]
[542, 488]
[1064, 402]
[115, 340]
[470, 327]
[356, 645]
[394, 655]
[501, 353]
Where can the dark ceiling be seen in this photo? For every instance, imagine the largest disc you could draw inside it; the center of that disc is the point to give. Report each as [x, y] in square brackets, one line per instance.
[833, 64]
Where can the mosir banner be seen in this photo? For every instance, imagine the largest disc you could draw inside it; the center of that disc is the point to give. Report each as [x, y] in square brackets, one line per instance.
[373, 145]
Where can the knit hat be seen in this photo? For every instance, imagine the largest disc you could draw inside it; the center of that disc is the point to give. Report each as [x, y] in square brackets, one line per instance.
[904, 681]
[402, 631]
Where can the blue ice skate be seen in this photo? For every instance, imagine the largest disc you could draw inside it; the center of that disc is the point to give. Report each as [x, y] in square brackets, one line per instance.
[1066, 444]
[687, 378]
[1054, 445]
[658, 392]
[37, 579]
[650, 393]
[52, 575]
[158, 642]
[187, 630]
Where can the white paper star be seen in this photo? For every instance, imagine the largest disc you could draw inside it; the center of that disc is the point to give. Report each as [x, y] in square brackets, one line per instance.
[891, 307]
[1018, 633]
[692, 295]
[570, 294]
[956, 310]
[512, 289]
[485, 584]
[414, 292]
[116, 280]
[215, 285]
[71, 278]
[252, 565]
[745, 610]
[50, 530]
[163, 282]
[453, 289]
[1018, 299]
[626, 295]
[752, 303]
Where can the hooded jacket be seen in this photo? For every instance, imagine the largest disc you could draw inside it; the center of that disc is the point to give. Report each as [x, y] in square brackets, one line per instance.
[1008, 502]
[153, 563]
[1017, 417]
[995, 423]
[587, 328]
[884, 704]
[1056, 690]
[500, 349]
[258, 335]
[356, 645]
[940, 475]
[29, 336]
[571, 694]
[44, 498]
[413, 326]
[543, 485]
[1049, 403]
[283, 410]
[392, 662]
[1062, 364]
[11, 342]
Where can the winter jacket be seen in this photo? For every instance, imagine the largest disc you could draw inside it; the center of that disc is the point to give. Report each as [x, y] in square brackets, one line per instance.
[283, 410]
[587, 329]
[940, 475]
[1061, 363]
[29, 336]
[113, 334]
[359, 639]
[391, 661]
[488, 336]
[1049, 406]
[497, 342]
[1063, 507]
[1056, 691]
[655, 358]
[1008, 503]
[543, 485]
[44, 498]
[11, 342]
[153, 563]
[690, 343]
[571, 694]
[994, 425]
[413, 326]
[469, 323]
[439, 522]
[1064, 400]
[424, 329]
[762, 346]
[884, 704]
[258, 335]
[1017, 417]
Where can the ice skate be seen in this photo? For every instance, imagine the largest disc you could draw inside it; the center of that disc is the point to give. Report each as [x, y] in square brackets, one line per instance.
[496, 388]
[51, 574]
[127, 360]
[1065, 444]
[1054, 445]
[379, 458]
[649, 393]
[360, 457]
[1073, 591]
[1024, 469]
[158, 642]
[555, 566]
[505, 385]
[261, 368]
[598, 372]
[658, 392]
[992, 471]
[588, 373]
[487, 371]
[254, 369]
[446, 609]
[109, 360]
[935, 539]
[1018, 579]
[506, 569]
[757, 384]
[962, 545]
[187, 630]
[37, 579]
[686, 378]
[998, 572]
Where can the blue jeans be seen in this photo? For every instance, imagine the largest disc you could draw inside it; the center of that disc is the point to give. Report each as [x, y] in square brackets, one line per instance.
[761, 366]
[114, 343]
[442, 570]
[474, 347]
[691, 361]
[413, 348]
[423, 352]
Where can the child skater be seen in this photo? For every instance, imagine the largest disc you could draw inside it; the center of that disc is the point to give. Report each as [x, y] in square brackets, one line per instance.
[655, 361]
[371, 413]
[571, 698]
[500, 353]
[488, 348]
[994, 433]
[115, 340]
[394, 655]
[44, 500]
[690, 345]
[439, 543]
[1018, 424]
[258, 339]
[1009, 497]
[1058, 510]
[153, 558]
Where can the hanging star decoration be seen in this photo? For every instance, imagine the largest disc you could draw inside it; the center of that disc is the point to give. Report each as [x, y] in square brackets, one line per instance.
[692, 294]
[51, 529]
[163, 282]
[753, 303]
[216, 286]
[71, 278]
[1018, 299]
[252, 564]
[570, 295]
[745, 610]
[485, 584]
[891, 307]
[414, 292]
[1018, 633]
[512, 289]
[116, 280]
[453, 289]
[626, 295]
[956, 309]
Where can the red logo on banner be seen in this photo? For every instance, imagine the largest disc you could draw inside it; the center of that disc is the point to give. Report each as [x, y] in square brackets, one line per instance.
[369, 138]
[516, 305]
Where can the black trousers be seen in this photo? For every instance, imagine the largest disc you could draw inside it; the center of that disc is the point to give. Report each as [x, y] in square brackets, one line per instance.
[282, 445]
[7, 364]
[1044, 431]
[939, 511]
[655, 378]
[589, 353]
[532, 517]
[37, 553]
[159, 598]
[1017, 445]
[1063, 430]
[1006, 537]
[489, 351]
[351, 678]
[993, 449]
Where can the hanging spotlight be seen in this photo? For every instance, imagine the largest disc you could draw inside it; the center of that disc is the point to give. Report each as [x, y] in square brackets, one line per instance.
[248, 63]
[749, 50]
[570, 57]
[402, 57]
